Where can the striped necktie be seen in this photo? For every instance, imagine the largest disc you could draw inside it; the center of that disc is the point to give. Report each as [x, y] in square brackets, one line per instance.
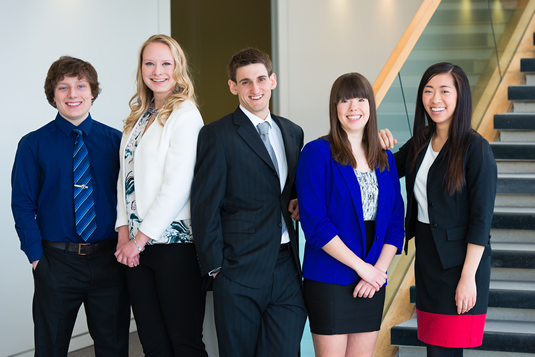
[84, 204]
[263, 131]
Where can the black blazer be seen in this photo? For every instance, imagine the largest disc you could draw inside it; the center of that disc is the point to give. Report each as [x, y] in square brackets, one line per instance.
[236, 200]
[464, 217]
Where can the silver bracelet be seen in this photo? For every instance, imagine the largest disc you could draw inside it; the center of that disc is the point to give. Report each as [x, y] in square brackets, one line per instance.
[138, 247]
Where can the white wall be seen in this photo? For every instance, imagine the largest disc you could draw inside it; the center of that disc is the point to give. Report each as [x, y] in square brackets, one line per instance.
[318, 40]
[34, 33]
[315, 41]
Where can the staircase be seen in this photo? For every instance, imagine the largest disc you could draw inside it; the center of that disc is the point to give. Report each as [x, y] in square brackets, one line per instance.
[510, 325]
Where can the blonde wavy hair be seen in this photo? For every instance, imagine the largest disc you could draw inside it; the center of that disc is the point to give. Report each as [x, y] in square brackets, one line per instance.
[141, 101]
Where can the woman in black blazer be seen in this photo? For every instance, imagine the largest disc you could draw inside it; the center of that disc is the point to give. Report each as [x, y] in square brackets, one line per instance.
[451, 186]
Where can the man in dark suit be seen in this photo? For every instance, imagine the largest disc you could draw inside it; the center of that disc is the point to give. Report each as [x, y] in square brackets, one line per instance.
[242, 217]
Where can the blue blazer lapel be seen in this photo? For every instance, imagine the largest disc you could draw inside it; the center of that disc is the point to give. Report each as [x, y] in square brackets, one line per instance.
[354, 189]
[248, 133]
[384, 188]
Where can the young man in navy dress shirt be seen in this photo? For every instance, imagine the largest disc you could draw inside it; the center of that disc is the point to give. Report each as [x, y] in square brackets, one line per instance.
[71, 268]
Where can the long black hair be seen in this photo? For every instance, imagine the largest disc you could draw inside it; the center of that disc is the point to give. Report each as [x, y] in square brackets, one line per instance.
[459, 135]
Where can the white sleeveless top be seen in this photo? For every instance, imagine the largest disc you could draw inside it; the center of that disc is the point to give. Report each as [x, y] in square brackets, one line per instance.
[420, 185]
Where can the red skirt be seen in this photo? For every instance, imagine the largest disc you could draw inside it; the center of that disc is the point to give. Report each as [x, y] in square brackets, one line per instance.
[454, 331]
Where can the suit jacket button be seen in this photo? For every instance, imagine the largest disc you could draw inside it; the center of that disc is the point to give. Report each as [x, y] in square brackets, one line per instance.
[274, 173]
[280, 225]
[431, 204]
[434, 225]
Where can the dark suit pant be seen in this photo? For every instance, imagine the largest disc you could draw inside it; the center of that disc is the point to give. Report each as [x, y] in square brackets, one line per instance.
[65, 280]
[167, 300]
[261, 322]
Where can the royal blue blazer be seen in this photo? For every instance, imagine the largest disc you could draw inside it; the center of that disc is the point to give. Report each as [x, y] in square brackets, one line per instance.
[330, 205]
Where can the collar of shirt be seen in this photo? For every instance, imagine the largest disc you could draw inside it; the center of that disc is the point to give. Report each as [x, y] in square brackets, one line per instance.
[66, 126]
[256, 120]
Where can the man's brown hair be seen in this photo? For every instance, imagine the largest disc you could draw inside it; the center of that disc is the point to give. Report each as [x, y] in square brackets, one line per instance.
[67, 66]
[246, 57]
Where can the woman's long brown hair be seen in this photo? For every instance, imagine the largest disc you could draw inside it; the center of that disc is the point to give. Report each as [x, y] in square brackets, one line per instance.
[349, 86]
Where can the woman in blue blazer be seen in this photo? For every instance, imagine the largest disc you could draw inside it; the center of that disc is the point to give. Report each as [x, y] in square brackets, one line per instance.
[352, 214]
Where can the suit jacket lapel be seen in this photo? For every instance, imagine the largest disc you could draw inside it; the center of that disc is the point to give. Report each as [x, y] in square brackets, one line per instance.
[411, 178]
[249, 134]
[442, 152]
[289, 141]
[421, 156]
[419, 161]
[354, 189]
[290, 147]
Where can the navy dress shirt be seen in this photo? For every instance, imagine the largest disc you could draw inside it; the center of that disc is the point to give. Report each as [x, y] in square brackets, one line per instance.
[43, 187]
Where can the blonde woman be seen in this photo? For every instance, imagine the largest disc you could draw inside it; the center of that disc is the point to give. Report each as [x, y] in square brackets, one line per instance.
[157, 158]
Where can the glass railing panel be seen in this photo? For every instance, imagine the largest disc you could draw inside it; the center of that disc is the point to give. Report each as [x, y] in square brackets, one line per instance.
[504, 16]
[393, 114]
[470, 33]
[502, 20]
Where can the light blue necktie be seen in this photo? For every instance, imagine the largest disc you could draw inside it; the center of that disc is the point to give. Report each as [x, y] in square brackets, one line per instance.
[84, 204]
[263, 130]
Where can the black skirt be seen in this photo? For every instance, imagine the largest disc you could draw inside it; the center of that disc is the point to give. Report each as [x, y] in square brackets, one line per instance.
[332, 309]
[436, 310]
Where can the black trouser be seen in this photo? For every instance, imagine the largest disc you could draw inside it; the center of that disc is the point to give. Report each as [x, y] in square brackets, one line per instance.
[65, 280]
[167, 300]
[261, 322]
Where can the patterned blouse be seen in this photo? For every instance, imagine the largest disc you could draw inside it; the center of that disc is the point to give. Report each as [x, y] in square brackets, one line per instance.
[178, 231]
[369, 190]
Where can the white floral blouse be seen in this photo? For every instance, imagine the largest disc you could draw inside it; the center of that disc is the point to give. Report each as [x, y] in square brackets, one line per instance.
[369, 190]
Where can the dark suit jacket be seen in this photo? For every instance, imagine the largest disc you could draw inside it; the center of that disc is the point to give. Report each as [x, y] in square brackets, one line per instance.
[236, 200]
[464, 217]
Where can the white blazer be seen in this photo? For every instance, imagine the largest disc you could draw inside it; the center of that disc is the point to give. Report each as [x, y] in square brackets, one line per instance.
[163, 167]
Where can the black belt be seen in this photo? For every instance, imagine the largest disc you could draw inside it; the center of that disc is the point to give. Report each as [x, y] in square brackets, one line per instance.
[83, 248]
[284, 247]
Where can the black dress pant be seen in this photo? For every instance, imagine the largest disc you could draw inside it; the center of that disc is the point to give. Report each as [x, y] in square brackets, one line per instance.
[65, 280]
[263, 322]
[167, 300]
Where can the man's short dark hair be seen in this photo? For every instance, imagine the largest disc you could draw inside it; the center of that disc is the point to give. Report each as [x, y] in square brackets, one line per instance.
[67, 66]
[246, 57]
